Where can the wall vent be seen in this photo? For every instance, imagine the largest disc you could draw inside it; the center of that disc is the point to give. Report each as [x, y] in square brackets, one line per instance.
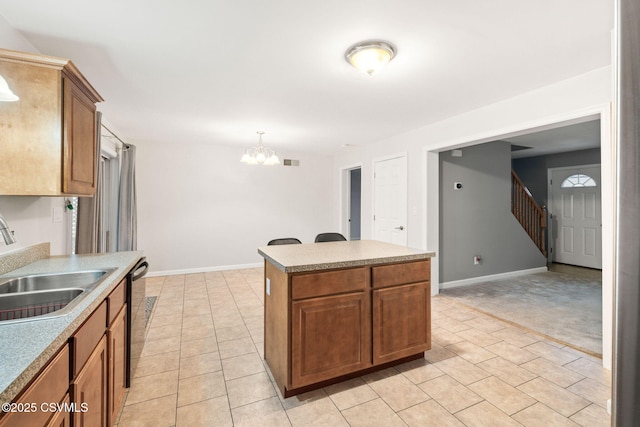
[290, 162]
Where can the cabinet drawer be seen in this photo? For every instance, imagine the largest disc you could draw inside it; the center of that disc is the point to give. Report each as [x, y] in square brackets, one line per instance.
[87, 337]
[329, 282]
[400, 274]
[50, 386]
[116, 300]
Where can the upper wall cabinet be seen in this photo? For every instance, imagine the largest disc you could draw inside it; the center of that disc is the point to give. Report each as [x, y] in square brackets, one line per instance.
[48, 144]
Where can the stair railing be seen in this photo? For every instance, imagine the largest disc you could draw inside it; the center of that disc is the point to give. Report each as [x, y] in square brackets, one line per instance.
[532, 217]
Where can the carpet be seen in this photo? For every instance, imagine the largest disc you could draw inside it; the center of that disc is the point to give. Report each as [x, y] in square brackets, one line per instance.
[564, 304]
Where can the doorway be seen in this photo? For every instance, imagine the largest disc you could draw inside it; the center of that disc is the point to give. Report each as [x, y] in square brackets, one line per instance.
[355, 203]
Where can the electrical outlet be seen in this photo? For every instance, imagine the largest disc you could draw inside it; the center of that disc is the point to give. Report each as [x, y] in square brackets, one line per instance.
[477, 260]
[268, 286]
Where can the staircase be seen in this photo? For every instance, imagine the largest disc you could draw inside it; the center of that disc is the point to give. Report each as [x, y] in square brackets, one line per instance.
[532, 217]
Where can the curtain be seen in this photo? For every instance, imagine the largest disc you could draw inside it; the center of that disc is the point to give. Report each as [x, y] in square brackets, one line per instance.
[88, 218]
[127, 202]
[626, 386]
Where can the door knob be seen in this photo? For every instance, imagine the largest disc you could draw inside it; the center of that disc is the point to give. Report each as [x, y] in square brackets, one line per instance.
[400, 228]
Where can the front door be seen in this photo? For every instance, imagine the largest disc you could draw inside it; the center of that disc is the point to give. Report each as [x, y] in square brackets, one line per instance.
[390, 201]
[576, 216]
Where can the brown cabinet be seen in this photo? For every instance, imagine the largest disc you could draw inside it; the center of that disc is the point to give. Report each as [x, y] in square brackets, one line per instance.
[330, 336]
[400, 321]
[325, 325]
[87, 376]
[61, 418]
[49, 386]
[117, 348]
[48, 136]
[89, 389]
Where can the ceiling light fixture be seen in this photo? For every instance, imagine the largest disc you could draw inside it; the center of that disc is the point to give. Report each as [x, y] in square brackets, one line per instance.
[5, 93]
[260, 155]
[370, 56]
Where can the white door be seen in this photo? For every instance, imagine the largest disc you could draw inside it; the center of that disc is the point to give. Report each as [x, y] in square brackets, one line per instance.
[577, 216]
[390, 201]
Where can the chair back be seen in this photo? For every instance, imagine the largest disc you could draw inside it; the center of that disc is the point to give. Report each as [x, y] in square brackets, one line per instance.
[284, 241]
[330, 237]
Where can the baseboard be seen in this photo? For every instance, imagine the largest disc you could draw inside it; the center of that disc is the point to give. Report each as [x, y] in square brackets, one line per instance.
[475, 280]
[202, 270]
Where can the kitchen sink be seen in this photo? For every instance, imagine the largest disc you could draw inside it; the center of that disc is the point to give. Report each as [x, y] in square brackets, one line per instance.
[33, 304]
[41, 296]
[42, 282]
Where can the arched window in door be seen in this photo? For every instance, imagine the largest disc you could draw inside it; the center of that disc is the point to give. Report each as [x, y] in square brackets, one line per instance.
[578, 180]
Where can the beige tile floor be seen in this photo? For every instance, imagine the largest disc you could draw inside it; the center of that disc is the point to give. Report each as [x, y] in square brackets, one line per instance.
[202, 365]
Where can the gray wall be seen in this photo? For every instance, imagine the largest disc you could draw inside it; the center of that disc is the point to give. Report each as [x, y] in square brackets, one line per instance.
[477, 219]
[533, 170]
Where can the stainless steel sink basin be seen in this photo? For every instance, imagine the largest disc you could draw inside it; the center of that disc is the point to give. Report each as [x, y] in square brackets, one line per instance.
[40, 296]
[33, 304]
[42, 282]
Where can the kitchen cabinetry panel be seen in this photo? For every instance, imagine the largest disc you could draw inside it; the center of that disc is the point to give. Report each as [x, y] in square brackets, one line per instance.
[80, 159]
[117, 347]
[401, 319]
[87, 336]
[48, 136]
[329, 282]
[330, 337]
[398, 274]
[49, 386]
[90, 388]
[61, 418]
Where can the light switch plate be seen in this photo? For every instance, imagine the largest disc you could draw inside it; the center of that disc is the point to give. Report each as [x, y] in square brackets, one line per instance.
[56, 214]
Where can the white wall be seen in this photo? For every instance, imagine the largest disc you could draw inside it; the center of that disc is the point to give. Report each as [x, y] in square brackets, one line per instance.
[30, 217]
[199, 208]
[587, 95]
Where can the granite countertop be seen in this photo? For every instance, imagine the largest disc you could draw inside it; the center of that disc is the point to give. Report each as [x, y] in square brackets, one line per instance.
[329, 255]
[25, 347]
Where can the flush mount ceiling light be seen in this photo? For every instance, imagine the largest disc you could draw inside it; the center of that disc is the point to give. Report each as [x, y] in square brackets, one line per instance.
[260, 155]
[5, 93]
[370, 56]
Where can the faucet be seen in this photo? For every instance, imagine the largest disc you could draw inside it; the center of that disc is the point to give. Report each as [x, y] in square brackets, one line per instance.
[6, 233]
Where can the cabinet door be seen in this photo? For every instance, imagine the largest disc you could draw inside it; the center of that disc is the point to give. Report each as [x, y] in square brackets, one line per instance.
[50, 385]
[90, 389]
[80, 150]
[330, 336]
[401, 322]
[61, 418]
[117, 336]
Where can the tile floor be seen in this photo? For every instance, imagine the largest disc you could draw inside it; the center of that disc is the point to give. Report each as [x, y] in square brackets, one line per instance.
[202, 365]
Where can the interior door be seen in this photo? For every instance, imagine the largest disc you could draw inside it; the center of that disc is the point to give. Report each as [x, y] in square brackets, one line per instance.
[390, 200]
[577, 216]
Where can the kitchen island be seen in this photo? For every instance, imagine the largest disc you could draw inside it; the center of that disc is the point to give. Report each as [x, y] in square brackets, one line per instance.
[336, 310]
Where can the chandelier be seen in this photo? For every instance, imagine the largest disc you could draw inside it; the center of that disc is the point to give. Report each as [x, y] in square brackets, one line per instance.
[260, 155]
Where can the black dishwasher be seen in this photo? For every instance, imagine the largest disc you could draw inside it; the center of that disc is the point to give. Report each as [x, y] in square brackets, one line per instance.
[136, 307]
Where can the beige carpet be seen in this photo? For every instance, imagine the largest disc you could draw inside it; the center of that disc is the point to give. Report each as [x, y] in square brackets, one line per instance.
[564, 304]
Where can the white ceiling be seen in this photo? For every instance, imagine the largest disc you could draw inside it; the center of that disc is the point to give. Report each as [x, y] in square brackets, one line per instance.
[563, 139]
[215, 72]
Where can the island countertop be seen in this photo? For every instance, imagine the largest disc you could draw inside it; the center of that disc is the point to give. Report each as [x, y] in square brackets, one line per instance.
[25, 347]
[305, 257]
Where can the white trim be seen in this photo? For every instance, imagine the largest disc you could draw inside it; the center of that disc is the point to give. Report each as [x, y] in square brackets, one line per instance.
[476, 280]
[203, 269]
